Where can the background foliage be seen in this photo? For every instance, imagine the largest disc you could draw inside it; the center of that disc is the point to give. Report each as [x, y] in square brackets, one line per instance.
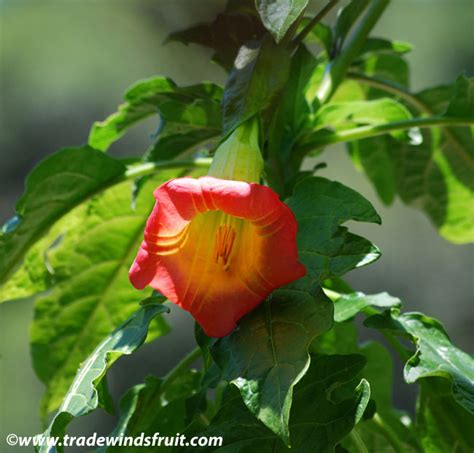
[64, 273]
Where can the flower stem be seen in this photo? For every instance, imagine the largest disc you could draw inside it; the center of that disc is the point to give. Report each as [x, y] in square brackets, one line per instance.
[392, 88]
[149, 168]
[358, 133]
[181, 366]
[388, 433]
[336, 70]
[358, 443]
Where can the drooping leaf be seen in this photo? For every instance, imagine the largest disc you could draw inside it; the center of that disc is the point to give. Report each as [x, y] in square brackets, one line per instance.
[279, 15]
[82, 397]
[435, 354]
[90, 293]
[58, 184]
[325, 247]
[267, 355]
[181, 109]
[236, 25]
[327, 404]
[259, 74]
[348, 305]
[442, 424]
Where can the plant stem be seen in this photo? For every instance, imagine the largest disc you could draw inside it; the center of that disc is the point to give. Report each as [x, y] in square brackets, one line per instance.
[357, 441]
[337, 69]
[388, 433]
[151, 167]
[312, 23]
[358, 133]
[185, 363]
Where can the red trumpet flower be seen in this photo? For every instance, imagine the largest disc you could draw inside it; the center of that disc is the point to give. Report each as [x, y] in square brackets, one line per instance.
[217, 248]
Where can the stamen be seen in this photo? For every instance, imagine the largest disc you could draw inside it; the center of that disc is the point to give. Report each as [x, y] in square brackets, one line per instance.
[225, 238]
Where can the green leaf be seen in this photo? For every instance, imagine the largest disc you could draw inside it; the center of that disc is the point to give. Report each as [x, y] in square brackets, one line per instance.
[436, 175]
[348, 305]
[442, 424]
[327, 404]
[279, 15]
[90, 293]
[381, 45]
[82, 397]
[268, 353]
[291, 118]
[170, 144]
[259, 74]
[155, 407]
[58, 184]
[322, 205]
[435, 354]
[181, 109]
[374, 157]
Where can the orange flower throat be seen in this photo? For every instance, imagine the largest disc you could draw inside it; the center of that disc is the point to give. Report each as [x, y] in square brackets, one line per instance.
[225, 239]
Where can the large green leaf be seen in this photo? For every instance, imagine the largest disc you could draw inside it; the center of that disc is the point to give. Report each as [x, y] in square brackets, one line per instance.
[279, 15]
[442, 424]
[82, 396]
[436, 175]
[259, 74]
[435, 354]
[325, 247]
[90, 293]
[180, 109]
[58, 184]
[268, 353]
[327, 404]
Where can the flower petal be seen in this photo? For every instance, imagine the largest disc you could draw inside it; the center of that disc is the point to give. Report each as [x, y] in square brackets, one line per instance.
[217, 282]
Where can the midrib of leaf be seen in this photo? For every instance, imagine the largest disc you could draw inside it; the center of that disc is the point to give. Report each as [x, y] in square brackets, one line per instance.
[132, 246]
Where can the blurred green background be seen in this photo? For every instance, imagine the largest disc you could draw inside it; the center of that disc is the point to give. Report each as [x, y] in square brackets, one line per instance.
[65, 64]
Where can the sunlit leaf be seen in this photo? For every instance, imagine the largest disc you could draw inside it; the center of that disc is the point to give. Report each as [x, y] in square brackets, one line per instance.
[59, 183]
[90, 293]
[348, 305]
